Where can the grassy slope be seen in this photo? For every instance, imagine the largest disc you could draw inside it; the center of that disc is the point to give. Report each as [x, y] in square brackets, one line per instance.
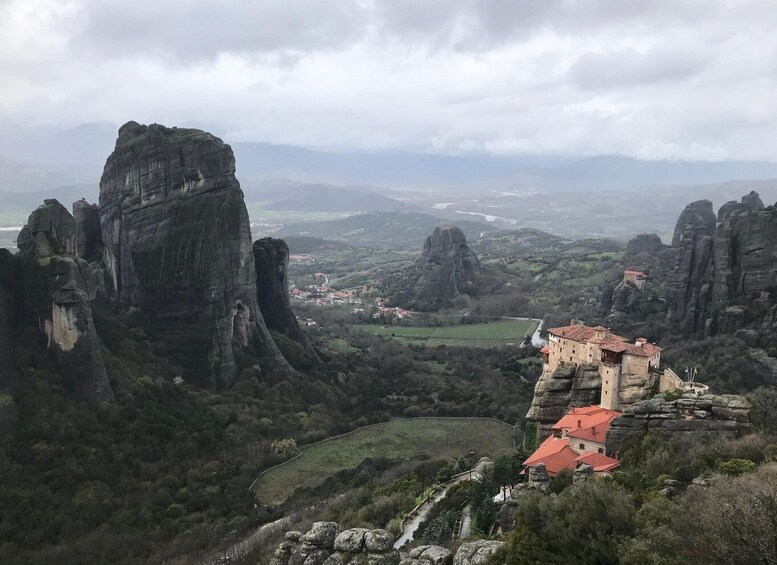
[441, 438]
[490, 334]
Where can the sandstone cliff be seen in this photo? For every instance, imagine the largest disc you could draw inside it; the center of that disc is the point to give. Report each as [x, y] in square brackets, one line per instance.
[447, 270]
[271, 258]
[707, 415]
[56, 295]
[178, 247]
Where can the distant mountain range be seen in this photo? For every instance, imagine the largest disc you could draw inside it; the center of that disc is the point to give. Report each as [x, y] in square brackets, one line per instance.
[80, 153]
[382, 230]
[292, 195]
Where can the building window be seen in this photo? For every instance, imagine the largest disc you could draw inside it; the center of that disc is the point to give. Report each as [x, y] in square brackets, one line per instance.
[582, 446]
[600, 450]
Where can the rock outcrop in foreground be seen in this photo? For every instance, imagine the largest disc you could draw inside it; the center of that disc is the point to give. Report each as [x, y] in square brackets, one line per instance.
[690, 415]
[446, 270]
[57, 292]
[326, 544]
[178, 247]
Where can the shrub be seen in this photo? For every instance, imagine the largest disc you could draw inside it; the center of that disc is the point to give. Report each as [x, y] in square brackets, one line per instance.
[736, 467]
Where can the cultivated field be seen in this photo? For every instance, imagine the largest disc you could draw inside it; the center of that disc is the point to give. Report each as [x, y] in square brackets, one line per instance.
[491, 334]
[437, 438]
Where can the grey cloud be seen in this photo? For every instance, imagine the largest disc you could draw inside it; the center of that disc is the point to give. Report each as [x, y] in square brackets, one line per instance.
[630, 68]
[656, 79]
[192, 30]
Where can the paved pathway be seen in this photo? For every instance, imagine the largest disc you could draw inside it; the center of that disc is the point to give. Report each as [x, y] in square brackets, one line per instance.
[424, 509]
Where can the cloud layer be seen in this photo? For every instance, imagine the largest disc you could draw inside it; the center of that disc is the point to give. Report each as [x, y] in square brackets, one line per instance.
[661, 79]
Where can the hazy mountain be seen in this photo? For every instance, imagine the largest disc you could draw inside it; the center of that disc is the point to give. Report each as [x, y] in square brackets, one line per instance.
[16, 176]
[384, 230]
[27, 201]
[525, 172]
[79, 151]
[292, 195]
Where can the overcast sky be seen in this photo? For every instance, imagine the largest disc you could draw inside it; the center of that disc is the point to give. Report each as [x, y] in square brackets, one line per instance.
[664, 79]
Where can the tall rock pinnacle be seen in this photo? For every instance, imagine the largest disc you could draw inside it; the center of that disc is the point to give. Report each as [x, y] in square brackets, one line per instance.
[178, 247]
[57, 292]
[446, 271]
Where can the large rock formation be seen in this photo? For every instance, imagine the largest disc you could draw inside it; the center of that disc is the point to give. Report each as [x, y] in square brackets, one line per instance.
[569, 385]
[178, 247]
[688, 289]
[9, 377]
[707, 415]
[697, 216]
[56, 296]
[272, 289]
[737, 263]
[648, 243]
[446, 270]
[625, 297]
[7, 320]
[88, 235]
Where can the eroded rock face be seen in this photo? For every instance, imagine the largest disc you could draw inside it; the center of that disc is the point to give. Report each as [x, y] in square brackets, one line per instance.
[56, 296]
[688, 287]
[325, 544]
[648, 243]
[88, 232]
[753, 201]
[707, 415]
[447, 270]
[697, 216]
[555, 393]
[477, 552]
[8, 374]
[178, 247]
[625, 297]
[738, 263]
[271, 258]
[428, 555]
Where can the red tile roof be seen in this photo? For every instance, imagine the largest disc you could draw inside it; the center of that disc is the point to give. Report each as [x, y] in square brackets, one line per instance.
[545, 350]
[599, 461]
[555, 453]
[570, 419]
[610, 342]
[590, 423]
